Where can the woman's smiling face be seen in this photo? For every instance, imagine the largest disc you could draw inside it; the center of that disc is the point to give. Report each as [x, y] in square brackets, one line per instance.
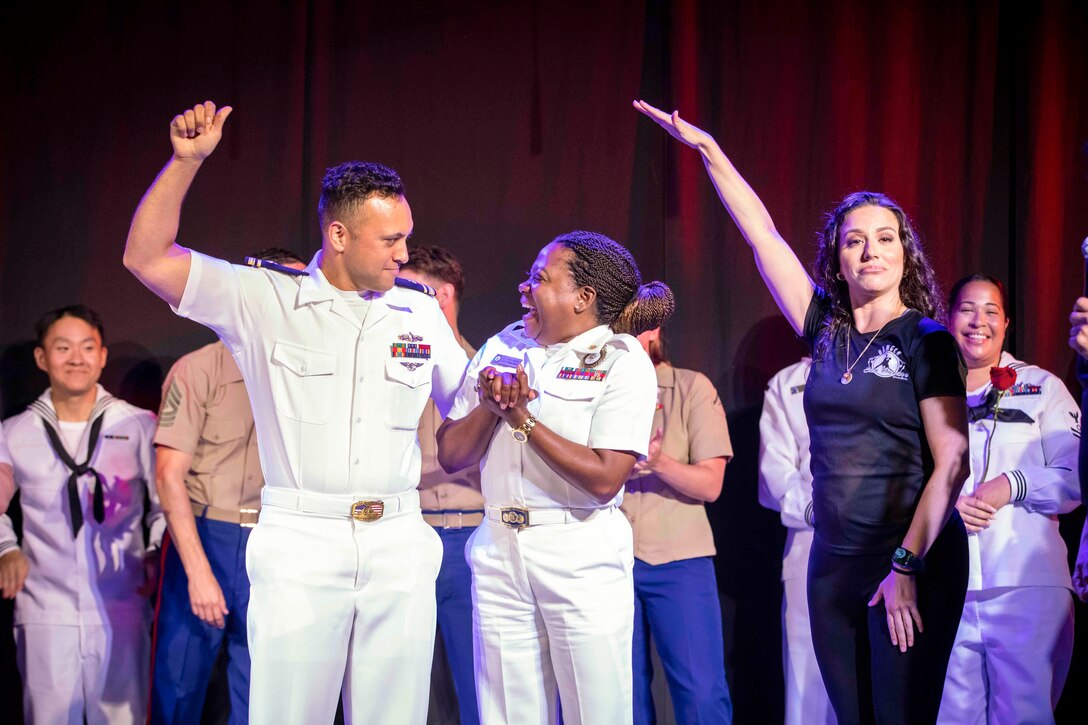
[550, 297]
[978, 322]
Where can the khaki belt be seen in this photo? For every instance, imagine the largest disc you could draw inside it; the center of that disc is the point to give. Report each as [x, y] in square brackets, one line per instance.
[454, 519]
[243, 517]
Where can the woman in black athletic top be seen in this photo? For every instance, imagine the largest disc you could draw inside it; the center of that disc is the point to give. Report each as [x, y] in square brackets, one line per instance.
[884, 403]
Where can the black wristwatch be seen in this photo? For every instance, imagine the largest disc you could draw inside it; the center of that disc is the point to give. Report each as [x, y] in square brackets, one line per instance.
[906, 562]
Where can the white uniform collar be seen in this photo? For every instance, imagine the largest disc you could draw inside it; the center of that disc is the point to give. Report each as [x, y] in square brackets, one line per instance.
[44, 408]
[587, 342]
[315, 288]
[1006, 360]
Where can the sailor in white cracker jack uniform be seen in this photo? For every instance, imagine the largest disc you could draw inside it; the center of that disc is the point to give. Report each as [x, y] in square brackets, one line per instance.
[556, 409]
[338, 362]
[1015, 639]
[785, 485]
[84, 464]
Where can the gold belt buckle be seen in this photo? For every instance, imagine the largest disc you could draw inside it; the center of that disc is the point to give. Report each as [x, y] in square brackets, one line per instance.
[367, 510]
[515, 518]
[248, 518]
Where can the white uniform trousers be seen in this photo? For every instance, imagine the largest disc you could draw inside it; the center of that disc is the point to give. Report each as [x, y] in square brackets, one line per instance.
[1011, 656]
[336, 603]
[554, 612]
[807, 702]
[101, 670]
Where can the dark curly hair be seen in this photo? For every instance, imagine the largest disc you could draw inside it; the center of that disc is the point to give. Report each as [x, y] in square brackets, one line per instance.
[918, 289]
[351, 183]
[623, 302]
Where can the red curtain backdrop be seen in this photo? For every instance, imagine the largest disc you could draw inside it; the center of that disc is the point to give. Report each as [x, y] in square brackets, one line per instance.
[511, 123]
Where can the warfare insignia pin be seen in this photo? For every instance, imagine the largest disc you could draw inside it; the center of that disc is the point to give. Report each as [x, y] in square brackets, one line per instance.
[410, 337]
[593, 359]
[412, 365]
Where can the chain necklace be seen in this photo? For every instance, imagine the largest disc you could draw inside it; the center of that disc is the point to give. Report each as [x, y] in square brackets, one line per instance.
[847, 376]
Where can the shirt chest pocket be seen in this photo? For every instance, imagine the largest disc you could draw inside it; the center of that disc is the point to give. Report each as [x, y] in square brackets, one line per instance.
[567, 407]
[219, 438]
[406, 393]
[302, 382]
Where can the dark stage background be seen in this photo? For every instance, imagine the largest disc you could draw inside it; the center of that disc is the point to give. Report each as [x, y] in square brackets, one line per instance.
[511, 123]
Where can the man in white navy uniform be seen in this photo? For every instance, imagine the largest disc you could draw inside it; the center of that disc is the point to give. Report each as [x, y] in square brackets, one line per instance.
[785, 485]
[81, 576]
[339, 362]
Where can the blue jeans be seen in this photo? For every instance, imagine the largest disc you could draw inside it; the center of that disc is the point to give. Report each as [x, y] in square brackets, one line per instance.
[678, 604]
[185, 647]
[453, 592]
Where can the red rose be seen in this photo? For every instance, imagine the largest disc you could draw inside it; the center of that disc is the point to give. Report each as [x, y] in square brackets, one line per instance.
[1002, 378]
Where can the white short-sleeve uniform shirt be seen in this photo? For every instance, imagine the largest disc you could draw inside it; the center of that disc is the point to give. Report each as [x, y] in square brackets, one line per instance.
[336, 400]
[598, 390]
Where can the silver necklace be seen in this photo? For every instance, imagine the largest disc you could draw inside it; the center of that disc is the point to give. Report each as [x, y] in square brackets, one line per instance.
[847, 376]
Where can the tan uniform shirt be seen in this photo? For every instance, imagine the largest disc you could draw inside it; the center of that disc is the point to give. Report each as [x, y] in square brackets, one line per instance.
[669, 526]
[438, 490]
[206, 413]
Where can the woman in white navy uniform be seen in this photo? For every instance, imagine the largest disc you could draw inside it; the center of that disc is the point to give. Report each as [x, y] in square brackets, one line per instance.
[1015, 638]
[556, 409]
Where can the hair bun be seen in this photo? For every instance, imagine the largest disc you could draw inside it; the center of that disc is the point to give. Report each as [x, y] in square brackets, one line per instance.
[651, 307]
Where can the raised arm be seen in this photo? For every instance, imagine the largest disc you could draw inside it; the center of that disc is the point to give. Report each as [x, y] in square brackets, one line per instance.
[782, 271]
[150, 251]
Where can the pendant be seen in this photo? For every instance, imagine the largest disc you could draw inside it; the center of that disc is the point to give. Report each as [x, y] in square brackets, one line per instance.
[846, 378]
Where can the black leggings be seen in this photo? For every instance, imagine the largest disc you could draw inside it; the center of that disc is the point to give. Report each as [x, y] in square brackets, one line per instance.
[867, 678]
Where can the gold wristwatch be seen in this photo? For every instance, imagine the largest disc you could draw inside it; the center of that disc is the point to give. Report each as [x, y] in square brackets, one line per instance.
[521, 433]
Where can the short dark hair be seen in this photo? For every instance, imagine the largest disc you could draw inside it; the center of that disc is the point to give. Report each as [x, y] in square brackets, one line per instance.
[437, 262]
[623, 302]
[954, 293]
[279, 255]
[347, 186]
[82, 312]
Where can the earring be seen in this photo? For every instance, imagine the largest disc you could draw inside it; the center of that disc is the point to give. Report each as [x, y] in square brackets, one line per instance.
[840, 277]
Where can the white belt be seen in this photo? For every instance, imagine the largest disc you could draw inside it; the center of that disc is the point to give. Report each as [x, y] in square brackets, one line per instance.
[519, 517]
[348, 506]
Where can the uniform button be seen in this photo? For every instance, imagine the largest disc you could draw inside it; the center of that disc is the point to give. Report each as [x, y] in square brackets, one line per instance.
[356, 461]
[302, 368]
[360, 378]
[249, 477]
[358, 420]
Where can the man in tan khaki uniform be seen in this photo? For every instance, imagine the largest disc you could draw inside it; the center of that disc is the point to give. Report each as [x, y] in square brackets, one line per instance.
[451, 502]
[210, 475]
[676, 594]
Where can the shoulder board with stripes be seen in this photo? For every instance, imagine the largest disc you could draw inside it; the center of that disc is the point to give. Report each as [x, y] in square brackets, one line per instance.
[265, 264]
[417, 286]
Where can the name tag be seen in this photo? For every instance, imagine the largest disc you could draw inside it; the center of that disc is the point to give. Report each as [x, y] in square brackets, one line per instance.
[505, 361]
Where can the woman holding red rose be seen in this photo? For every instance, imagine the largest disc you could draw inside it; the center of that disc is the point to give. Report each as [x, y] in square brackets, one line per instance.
[884, 403]
[1015, 639]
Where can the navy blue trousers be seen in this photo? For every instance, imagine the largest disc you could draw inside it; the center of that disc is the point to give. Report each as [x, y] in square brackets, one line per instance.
[678, 604]
[185, 647]
[453, 592]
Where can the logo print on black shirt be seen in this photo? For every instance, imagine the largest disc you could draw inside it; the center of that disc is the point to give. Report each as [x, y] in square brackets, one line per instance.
[888, 363]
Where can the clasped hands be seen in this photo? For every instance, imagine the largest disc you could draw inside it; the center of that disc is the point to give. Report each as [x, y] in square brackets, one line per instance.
[505, 394]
